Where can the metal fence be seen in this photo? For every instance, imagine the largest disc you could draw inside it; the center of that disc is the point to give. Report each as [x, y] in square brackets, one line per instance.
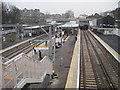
[106, 31]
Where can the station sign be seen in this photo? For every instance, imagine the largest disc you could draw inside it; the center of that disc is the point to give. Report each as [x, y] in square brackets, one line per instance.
[41, 48]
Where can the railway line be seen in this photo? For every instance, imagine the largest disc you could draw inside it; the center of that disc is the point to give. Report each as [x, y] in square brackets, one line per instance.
[23, 47]
[99, 70]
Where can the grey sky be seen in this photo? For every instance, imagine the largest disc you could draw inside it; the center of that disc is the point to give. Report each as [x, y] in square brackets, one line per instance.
[60, 6]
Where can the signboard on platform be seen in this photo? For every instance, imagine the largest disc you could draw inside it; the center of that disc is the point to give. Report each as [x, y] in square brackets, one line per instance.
[41, 48]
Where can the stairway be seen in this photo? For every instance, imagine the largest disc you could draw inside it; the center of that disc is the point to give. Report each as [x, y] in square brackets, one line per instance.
[23, 69]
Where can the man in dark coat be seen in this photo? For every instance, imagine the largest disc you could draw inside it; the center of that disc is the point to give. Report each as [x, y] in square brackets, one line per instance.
[40, 55]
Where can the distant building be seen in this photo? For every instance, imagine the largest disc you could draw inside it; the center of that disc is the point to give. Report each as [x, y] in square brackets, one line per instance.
[104, 14]
[84, 16]
[106, 22]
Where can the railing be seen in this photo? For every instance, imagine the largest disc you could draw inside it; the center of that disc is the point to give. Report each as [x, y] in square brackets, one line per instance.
[108, 31]
[23, 69]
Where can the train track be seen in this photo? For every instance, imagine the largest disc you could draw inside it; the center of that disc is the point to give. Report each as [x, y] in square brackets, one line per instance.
[87, 76]
[25, 48]
[109, 64]
[98, 69]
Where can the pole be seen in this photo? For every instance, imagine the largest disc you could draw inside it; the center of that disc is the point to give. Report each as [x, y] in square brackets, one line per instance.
[17, 31]
[22, 35]
[54, 45]
[50, 44]
[61, 34]
[1, 73]
[31, 43]
[53, 63]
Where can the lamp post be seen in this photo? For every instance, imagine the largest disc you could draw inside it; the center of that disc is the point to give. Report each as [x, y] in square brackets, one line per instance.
[1, 71]
[54, 34]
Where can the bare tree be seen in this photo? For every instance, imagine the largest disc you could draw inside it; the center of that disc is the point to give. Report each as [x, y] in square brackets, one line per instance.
[10, 14]
[69, 14]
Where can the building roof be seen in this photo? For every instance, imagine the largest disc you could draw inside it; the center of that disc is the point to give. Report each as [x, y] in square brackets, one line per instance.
[37, 26]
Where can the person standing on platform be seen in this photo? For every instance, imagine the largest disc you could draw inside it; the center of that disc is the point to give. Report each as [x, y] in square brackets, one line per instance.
[45, 43]
[76, 37]
[40, 55]
[34, 50]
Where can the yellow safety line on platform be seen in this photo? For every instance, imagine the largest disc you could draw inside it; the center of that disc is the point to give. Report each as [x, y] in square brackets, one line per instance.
[105, 43]
[70, 74]
[110, 48]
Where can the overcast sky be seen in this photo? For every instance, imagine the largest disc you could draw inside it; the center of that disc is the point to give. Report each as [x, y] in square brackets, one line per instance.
[60, 6]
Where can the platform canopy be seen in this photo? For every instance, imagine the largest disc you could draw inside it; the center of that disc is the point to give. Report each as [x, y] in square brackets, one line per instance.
[32, 27]
[37, 26]
[69, 25]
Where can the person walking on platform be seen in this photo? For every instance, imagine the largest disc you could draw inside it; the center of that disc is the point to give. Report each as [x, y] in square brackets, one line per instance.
[40, 55]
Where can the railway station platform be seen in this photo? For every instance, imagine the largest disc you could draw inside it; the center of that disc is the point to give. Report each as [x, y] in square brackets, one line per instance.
[111, 43]
[74, 71]
[112, 40]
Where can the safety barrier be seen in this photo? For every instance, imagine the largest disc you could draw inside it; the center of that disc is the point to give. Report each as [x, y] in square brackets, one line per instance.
[23, 69]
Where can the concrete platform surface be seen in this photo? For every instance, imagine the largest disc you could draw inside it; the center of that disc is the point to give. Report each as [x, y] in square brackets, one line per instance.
[111, 40]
